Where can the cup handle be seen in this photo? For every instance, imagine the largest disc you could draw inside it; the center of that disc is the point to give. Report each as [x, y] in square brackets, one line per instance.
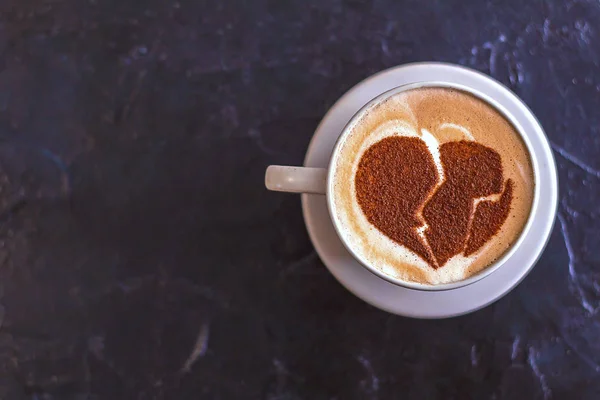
[296, 179]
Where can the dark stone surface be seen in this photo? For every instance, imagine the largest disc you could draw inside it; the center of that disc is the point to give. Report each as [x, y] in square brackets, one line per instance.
[134, 226]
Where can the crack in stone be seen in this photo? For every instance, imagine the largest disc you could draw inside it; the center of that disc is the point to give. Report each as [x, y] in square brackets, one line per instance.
[373, 380]
[474, 356]
[515, 348]
[574, 160]
[199, 349]
[532, 361]
[572, 259]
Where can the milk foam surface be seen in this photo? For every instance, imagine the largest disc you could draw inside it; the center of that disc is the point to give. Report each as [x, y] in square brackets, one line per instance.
[436, 116]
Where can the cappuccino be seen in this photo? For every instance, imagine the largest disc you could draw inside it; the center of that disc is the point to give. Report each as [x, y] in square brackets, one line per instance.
[431, 185]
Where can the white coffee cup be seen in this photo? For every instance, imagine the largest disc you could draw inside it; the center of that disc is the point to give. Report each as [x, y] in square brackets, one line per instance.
[318, 180]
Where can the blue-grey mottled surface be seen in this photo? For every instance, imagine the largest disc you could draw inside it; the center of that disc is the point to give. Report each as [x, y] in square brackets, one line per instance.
[141, 257]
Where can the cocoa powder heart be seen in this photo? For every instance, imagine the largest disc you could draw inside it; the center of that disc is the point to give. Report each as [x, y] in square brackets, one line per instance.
[396, 189]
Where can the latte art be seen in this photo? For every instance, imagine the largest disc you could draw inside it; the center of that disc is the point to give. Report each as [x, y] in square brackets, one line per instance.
[401, 194]
[432, 185]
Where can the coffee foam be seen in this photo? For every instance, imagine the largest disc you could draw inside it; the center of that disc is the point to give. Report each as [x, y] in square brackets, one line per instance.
[436, 116]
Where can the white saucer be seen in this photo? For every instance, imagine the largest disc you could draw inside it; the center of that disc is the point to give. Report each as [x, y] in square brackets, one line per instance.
[414, 303]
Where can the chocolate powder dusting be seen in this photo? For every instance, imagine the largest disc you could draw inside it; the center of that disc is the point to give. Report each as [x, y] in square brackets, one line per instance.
[489, 217]
[393, 180]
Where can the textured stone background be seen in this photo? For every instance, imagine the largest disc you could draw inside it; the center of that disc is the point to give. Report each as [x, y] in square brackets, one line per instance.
[141, 257]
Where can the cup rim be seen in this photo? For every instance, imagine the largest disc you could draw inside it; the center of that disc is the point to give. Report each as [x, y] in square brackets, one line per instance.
[499, 108]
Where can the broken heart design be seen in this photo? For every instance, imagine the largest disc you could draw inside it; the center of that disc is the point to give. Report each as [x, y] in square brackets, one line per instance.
[402, 194]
